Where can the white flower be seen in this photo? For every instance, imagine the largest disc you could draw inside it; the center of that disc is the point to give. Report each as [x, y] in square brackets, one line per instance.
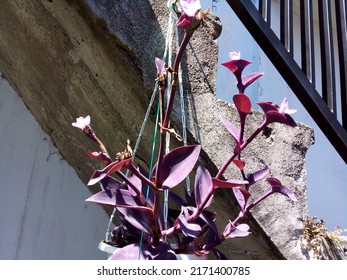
[82, 122]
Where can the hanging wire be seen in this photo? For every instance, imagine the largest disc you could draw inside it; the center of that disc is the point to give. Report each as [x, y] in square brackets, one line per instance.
[183, 111]
[134, 152]
[151, 167]
[172, 22]
[168, 58]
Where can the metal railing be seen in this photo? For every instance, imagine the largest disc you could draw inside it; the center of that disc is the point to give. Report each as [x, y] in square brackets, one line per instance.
[321, 32]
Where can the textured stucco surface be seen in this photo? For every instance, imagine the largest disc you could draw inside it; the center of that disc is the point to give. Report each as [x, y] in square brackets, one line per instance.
[72, 58]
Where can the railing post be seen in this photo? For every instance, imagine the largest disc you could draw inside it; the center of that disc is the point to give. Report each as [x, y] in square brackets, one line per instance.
[307, 40]
[341, 21]
[327, 54]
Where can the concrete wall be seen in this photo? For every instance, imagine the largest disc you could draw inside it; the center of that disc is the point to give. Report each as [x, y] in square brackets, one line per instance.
[96, 57]
[42, 210]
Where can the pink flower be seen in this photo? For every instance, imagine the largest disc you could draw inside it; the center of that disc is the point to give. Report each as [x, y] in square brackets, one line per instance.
[160, 64]
[280, 114]
[234, 55]
[236, 64]
[82, 123]
[161, 73]
[190, 7]
[284, 108]
[192, 15]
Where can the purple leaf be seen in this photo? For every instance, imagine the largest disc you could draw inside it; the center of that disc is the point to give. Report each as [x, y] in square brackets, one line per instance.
[256, 176]
[239, 163]
[234, 131]
[188, 229]
[177, 165]
[275, 116]
[268, 106]
[275, 113]
[242, 197]
[185, 21]
[242, 103]
[138, 219]
[208, 218]
[239, 231]
[136, 182]
[146, 252]
[120, 198]
[100, 155]
[231, 183]
[203, 187]
[250, 78]
[109, 183]
[278, 187]
[141, 186]
[111, 168]
[236, 66]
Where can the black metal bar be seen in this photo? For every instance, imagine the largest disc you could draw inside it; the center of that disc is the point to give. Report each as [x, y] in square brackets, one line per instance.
[341, 20]
[327, 54]
[286, 24]
[307, 39]
[292, 73]
[265, 10]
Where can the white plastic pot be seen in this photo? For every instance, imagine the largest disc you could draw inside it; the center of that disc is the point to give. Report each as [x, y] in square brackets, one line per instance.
[185, 257]
[109, 249]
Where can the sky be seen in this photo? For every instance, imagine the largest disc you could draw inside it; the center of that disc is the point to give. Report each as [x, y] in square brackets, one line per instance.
[326, 171]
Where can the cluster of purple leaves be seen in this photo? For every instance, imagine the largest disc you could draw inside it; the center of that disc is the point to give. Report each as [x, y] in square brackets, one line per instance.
[191, 225]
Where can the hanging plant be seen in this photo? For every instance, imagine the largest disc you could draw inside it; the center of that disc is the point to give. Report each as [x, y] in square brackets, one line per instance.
[147, 230]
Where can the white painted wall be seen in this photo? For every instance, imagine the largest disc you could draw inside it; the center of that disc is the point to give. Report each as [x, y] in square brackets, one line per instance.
[43, 214]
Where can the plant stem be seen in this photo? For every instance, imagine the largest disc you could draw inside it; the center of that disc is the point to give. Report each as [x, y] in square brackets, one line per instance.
[243, 212]
[167, 114]
[240, 148]
[154, 221]
[174, 84]
[141, 177]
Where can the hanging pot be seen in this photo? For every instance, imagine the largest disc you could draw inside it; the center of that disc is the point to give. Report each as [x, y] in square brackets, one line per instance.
[186, 257]
[107, 248]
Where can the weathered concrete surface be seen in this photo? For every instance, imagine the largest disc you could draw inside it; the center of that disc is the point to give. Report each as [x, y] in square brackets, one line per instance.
[65, 65]
[96, 58]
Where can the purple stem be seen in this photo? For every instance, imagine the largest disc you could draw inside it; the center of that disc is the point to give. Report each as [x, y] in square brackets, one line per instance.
[240, 148]
[167, 115]
[143, 178]
[243, 212]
